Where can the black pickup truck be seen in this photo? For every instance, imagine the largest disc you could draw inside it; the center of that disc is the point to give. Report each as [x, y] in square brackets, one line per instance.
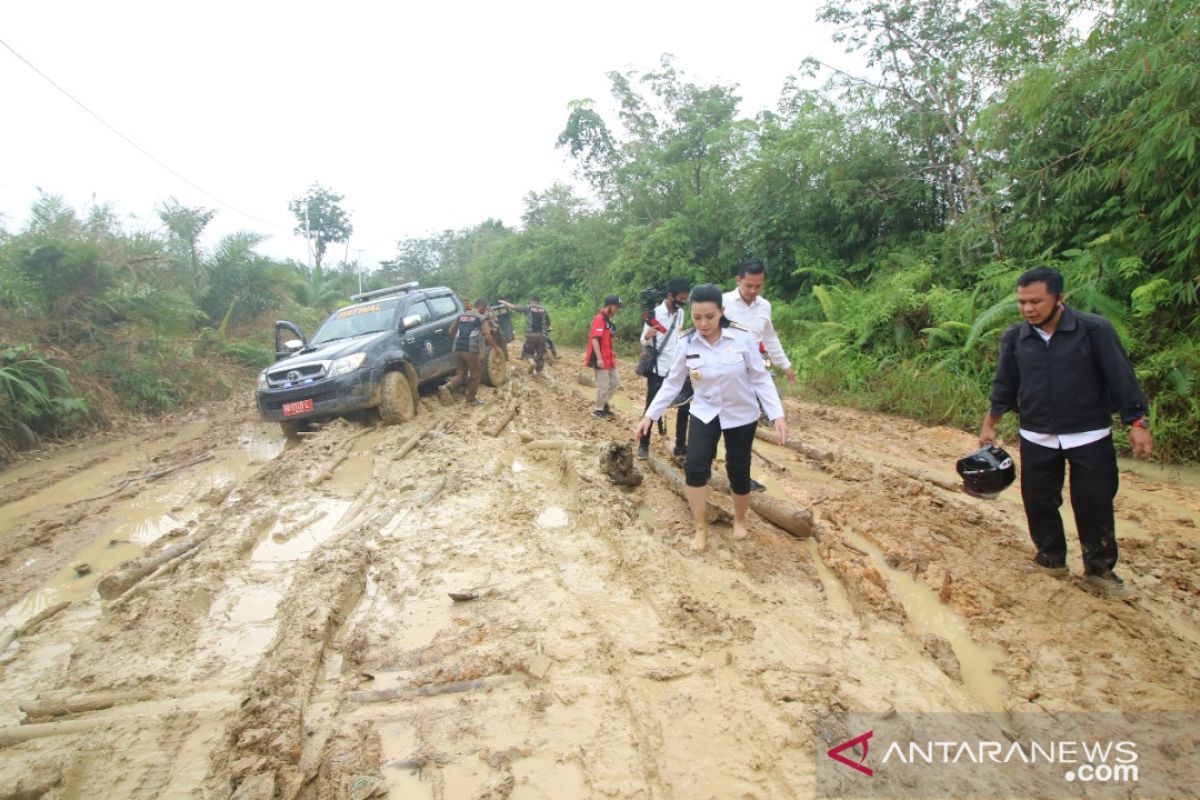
[376, 353]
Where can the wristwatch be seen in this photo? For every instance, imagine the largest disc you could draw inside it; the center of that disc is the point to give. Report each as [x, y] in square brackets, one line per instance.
[1142, 422]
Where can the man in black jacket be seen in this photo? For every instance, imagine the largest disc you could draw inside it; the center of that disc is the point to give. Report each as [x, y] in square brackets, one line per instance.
[1065, 373]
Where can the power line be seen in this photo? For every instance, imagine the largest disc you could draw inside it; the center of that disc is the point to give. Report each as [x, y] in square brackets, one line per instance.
[134, 144]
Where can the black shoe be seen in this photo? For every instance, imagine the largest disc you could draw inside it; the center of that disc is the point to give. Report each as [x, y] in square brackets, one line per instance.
[1054, 570]
[599, 414]
[475, 402]
[755, 486]
[1109, 585]
[643, 452]
[683, 398]
[679, 451]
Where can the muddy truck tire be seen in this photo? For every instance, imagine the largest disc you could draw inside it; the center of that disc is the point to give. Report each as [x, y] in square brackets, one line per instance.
[399, 402]
[291, 430]
[495, 369]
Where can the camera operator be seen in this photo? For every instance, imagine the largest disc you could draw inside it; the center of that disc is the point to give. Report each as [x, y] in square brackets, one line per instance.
[661, 330]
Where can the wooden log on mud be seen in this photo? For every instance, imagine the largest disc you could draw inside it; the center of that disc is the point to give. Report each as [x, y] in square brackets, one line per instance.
[407, 447]
[430, 690]
[675, 482]
[116, 582]
[17, 734]
[815, 453]
[151, 580]
[502, 423]
[583, 379]
[433, 492]
[779, 512]
[770, 462]
[64, 704]
[153, 476]
[30, 625]
[925, 477]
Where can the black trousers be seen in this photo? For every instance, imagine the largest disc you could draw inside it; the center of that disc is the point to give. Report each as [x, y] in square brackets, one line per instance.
[1094, 482]
[653, 384]
[702, 449]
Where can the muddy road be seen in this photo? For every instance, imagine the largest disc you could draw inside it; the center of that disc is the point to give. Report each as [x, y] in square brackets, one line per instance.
[303, 641]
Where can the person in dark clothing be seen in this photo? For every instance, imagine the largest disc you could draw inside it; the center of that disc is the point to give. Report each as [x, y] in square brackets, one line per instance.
[1065, 372]
[471, 332]
[537, 325]
[663, 330]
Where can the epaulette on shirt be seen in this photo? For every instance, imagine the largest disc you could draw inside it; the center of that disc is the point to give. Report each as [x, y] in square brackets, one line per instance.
[688, 333]
[738, 326]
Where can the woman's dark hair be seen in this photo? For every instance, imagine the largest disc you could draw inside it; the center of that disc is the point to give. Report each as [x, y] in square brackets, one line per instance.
[677, 285]
[707, 293]
[1043, 274]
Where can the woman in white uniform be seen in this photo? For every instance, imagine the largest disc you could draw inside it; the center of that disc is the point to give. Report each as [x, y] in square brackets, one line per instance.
[730, 381]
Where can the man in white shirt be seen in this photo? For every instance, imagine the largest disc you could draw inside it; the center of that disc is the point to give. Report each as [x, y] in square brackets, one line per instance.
[663, 332]
[746, 306]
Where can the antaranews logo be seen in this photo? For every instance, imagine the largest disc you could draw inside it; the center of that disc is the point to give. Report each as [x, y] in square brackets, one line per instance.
[836, 753]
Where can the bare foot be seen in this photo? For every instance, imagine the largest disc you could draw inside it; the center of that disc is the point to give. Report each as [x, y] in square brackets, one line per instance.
[740, 531]
[700, 542]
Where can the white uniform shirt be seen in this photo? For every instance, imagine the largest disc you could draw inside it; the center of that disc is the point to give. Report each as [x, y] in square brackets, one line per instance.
[756, 317]
[666, 354]
[1062, 441]
[729, 379]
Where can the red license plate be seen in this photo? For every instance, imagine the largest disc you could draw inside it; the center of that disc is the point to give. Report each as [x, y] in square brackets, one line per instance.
[298, 407]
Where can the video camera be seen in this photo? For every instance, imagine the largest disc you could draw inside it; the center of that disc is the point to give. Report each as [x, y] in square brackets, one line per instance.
[650, 299]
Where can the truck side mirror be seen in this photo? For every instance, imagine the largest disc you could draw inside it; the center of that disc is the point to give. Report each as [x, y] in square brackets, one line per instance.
[292, 345]
[412, 320]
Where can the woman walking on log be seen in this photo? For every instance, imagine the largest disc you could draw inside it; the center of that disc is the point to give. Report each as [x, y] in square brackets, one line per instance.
[730, 380]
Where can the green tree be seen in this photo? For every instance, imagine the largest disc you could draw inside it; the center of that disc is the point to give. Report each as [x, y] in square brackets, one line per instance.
[321, 219]
[184, 228]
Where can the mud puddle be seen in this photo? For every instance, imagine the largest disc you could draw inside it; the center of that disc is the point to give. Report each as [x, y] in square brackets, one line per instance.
[295, 539]
[929, 615]
[165, 506]
[89, 482]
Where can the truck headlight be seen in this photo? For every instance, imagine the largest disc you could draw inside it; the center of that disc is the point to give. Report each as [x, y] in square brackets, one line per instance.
[262, 381]
[347, 364]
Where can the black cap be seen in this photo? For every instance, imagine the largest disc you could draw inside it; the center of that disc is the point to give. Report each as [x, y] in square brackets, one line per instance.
[613, 300]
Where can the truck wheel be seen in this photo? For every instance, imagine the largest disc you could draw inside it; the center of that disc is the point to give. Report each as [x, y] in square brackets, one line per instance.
[398, 403]
[495, 369]
[291, 430]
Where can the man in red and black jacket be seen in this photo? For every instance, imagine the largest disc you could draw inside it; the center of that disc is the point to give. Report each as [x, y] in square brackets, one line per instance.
[601, 358]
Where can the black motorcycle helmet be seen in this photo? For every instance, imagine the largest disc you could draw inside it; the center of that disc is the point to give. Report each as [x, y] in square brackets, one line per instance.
[987, 472]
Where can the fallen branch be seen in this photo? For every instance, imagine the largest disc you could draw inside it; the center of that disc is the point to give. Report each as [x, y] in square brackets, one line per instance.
[770, 462]
[28, 626]
[16, 734]
[781, 513]
[408, 692]
[407, 447]
[677, 484]
[64, 704]
[162, 571]
[499, 427]
[153, 476]
[433, 492]
[118, 581]
[816, 454]
[926, 478]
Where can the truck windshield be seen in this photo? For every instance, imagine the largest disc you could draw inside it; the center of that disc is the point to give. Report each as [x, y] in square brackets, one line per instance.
[357, 320]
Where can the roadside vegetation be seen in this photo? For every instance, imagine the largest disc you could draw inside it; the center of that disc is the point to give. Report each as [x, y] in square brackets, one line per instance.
[893, 214]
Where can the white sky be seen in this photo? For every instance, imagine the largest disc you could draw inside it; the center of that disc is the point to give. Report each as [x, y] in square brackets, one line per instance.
[425, 116]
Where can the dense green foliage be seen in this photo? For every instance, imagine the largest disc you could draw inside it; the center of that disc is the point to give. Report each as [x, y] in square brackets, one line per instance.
[99, 321]
[894, 213]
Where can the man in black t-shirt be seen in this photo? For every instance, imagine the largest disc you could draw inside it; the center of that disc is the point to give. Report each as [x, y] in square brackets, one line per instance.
[471, 332]
[537, 324]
